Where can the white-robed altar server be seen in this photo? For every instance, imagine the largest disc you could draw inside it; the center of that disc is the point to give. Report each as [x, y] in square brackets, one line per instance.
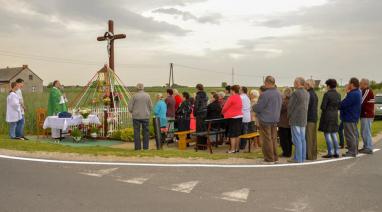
[14, 114]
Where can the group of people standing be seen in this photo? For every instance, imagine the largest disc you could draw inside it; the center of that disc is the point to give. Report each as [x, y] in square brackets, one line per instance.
[15, 115]
[288, 117]
[294, 116]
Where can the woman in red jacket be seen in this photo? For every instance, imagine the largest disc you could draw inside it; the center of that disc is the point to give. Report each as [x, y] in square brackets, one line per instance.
[232, 111]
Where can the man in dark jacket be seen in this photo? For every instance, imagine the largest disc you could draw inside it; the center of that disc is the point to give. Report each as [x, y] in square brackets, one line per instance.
[311, 127]
[350, 113]
[367, 116]
[200, 110]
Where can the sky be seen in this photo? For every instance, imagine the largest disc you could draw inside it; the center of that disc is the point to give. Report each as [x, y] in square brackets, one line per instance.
[206, 40]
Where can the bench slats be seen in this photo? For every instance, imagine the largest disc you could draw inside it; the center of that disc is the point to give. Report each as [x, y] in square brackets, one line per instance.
[250, 135]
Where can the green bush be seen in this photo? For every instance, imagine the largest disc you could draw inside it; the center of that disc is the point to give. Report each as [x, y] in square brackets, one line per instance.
[127, 134]
[116, 135]
[151, 131]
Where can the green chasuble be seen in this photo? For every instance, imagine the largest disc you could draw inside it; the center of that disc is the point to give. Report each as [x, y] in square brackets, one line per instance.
[54, 106]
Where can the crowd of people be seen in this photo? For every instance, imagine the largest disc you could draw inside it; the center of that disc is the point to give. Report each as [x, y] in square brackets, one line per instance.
[286, 117]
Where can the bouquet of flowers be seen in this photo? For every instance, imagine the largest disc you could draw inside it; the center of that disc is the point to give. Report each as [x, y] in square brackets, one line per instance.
[85, 112]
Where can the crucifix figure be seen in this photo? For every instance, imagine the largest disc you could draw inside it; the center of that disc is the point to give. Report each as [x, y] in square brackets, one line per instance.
[110, 37]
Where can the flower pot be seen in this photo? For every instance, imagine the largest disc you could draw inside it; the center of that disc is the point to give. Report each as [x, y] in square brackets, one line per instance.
[93, 135]
[85, 121]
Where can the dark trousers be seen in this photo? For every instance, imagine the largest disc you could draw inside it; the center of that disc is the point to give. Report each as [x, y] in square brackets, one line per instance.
[201, 127]
[351, 137]
[341, 134]
[268, 135]
[183, 124]
[137, 124]
[285, 136]
[244, 130]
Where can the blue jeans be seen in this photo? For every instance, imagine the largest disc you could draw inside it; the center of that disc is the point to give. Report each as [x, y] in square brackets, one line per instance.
[12, 129]
[20, 128]
[299, 141]
[366, 133]
[137, 124]
[332, 143]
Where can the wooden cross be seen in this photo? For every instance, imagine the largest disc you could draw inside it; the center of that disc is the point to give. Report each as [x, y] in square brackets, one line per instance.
[110, 37]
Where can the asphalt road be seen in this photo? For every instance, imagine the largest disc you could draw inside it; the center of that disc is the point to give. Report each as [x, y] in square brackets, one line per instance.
[349, 185]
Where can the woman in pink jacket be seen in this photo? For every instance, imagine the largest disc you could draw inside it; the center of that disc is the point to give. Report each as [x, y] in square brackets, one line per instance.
[232, 111]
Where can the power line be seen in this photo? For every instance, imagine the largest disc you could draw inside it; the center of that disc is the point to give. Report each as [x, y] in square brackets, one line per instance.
[65, 60]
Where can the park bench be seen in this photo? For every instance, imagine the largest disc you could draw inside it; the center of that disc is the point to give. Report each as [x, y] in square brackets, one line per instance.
[250, 137]
[210, 132]
[183, 140]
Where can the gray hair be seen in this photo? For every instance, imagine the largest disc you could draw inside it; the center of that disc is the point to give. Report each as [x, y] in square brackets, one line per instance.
[159, 95]
[366, 81]
[300, 80]
[271, 80]
[221, 94]
[310, 83]
[140, 86]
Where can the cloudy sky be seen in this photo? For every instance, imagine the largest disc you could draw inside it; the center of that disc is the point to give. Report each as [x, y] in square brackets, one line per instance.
[205, 39]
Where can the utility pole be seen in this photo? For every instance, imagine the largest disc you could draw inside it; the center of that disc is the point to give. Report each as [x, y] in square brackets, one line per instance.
[171, 76]
[233, 76]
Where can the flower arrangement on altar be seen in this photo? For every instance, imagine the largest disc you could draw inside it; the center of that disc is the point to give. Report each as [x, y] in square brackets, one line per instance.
[85, 112]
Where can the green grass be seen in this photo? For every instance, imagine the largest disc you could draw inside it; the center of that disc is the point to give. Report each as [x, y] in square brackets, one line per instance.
[35, 146]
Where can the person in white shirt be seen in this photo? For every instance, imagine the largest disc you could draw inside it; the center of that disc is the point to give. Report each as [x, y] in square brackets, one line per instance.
[21, 124]
[13, 115]
[246, 114]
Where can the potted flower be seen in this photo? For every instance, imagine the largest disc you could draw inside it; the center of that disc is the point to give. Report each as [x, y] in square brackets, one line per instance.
[94, 132]
[85, 112]
[76, 135]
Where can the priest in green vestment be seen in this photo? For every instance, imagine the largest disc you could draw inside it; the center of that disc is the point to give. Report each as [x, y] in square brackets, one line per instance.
[57, 101]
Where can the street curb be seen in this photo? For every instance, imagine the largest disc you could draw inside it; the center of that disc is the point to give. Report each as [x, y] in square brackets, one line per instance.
[179, 165]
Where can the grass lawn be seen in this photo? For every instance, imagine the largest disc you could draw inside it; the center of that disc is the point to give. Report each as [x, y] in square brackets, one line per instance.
[167, 152]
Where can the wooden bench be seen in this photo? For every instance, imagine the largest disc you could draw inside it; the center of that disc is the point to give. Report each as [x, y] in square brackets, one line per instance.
[210, 132]
[250, 137]
[183, 141]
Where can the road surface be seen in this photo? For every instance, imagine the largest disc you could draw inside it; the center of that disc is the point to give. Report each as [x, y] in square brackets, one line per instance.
[348, 185]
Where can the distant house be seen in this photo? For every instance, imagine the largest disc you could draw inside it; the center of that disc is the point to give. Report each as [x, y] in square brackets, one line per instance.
[32, 82]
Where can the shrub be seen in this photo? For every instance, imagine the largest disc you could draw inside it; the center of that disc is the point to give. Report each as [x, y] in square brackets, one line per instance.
[127, 134]
[116, 135]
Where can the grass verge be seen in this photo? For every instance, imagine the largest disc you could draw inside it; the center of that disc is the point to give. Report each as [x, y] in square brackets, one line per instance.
[35, 146]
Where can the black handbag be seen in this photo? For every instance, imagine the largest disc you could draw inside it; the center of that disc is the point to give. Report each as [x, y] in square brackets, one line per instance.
[64, 115]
